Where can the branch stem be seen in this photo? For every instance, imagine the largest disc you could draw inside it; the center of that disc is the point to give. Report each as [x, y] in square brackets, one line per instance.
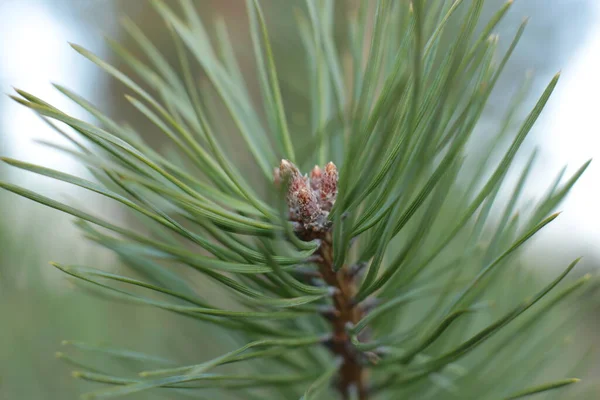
[352, 377]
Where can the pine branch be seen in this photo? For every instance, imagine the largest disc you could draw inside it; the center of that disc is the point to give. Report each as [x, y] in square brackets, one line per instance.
[396, 262]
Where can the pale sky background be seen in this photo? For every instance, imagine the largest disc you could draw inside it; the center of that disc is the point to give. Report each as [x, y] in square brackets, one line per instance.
[569, 133]
[34, 52]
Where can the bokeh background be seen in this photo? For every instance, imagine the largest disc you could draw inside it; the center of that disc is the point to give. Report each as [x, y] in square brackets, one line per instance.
[39, 307]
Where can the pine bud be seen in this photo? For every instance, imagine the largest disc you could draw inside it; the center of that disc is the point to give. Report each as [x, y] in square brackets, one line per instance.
[308, 205]
[315, 178]
[290, 175]
[308, 199]
[288, 170]
[329, 188]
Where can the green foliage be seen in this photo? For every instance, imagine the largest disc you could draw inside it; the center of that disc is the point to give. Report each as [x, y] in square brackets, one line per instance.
[443, 306]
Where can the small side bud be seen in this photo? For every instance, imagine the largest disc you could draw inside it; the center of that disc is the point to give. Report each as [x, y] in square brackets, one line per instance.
[329, 187]
[296, 184]
[288, 169]
[316, 176]
[308, 205]
[290, 175]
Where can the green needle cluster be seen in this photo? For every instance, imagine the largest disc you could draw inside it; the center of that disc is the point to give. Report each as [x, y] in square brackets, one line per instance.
[410, 285]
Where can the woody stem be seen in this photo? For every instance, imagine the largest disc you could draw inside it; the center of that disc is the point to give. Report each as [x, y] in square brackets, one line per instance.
[351, 374]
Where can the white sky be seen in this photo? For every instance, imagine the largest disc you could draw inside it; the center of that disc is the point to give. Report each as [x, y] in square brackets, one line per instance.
[34, 52]
[570, 134]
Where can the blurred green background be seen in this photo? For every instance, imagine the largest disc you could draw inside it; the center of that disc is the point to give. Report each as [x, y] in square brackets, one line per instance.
[39, 307]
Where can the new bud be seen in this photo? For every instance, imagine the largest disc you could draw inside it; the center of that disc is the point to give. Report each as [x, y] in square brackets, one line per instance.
[288, 170]
[315, 178]
[308, 198]
[329, 187]
[308, 206]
